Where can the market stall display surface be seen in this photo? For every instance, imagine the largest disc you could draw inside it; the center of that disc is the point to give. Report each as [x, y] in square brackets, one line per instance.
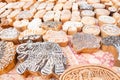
[42, 39]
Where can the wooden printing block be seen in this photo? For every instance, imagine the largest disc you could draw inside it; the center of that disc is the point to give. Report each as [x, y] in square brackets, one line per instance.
[60, 37]
[49, 16]
[108, 4]
[6, 22]
[9, 34]
[65, 15]
[28, 4]
[101, 12]
[67, 5]
[24, 15]
[51, 25]
[39, 58]
[34, 35]
[113, 41]
[13, 14]
[21, 25]
[75, 16]
[49, 6]
[98, 6]
[106, 20]
[42, 6]
[116, 16]
[87, 13]
[26, 49]
[19, 5]
[40, 14]
[85, 6]
[75, 7]
[72, 27]
[34, 24]
[7, 56]
[35, 5]
[109, 30]
[57, 16]
[58, 6]
[116, 3]
[86, 43]
[91, 29]
[92, 20]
